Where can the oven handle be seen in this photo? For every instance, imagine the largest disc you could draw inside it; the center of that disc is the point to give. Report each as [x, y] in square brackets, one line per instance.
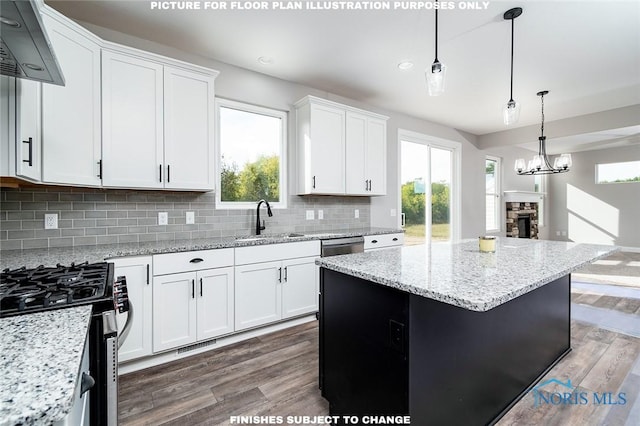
[127, 326]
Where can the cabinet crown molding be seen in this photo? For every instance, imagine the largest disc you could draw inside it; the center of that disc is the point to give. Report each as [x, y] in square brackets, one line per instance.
[314, 99]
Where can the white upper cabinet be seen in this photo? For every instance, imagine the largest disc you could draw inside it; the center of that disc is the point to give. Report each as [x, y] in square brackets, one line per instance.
[188, 129]
[341, 150]
[71, 139]
[27, 130]
[320, 148]
[132, 122]
[157, 125]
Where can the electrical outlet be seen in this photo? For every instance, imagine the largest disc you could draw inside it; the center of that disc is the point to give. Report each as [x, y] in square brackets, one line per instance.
[163, 218]
[557, 233]
[51, 221]
[356, 214]
[191, 218]
[320, 215]
[393, 213]
[309, 214]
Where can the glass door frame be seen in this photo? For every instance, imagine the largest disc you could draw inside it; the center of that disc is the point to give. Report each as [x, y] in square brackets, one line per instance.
[456, 179]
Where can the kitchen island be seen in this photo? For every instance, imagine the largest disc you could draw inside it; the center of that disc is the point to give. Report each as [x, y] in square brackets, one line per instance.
[442, 332]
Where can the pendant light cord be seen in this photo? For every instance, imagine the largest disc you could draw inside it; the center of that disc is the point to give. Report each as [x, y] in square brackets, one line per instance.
[511, 93]
[436, 33]
[542, 125]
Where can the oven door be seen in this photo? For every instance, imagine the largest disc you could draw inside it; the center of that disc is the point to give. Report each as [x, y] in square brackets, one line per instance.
[104, 366]
[79, 414]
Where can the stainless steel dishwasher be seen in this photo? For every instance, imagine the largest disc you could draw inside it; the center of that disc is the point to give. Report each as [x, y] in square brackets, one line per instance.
[337, 246]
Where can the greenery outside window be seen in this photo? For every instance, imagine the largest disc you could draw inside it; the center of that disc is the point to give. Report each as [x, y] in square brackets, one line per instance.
[250, 155]
[492, 184]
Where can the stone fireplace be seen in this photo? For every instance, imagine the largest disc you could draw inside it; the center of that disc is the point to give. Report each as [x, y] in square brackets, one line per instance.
[522, 219]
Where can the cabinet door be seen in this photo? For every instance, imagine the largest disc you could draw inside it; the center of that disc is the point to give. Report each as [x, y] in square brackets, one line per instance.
[326, 154]
[188, 137]
[174, 311]
[376, 156]
[71, 147]
[132, 122]
[356, 140]
[299, 287]
[258, 294]
[138, 342]
[215, 302]
[28, 131]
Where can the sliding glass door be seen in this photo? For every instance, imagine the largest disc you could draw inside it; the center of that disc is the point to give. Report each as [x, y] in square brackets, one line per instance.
[428, 185]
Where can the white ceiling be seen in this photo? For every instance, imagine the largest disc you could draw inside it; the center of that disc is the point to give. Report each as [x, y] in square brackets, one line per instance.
[586, 53]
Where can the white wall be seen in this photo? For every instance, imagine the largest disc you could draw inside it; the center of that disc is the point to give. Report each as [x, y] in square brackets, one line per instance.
[259, 89]
[592, 213]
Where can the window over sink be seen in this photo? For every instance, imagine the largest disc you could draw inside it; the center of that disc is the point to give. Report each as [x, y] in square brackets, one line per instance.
[251, 155]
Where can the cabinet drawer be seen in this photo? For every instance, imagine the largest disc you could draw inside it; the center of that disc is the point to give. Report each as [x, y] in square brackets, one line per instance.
[187, 261]
[273, 252]
[385, 240]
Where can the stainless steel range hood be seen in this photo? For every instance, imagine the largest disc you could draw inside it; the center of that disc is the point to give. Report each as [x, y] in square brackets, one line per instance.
[25, 51]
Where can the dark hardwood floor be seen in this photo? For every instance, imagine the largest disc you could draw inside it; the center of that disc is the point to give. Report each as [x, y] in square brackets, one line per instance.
[277, 374]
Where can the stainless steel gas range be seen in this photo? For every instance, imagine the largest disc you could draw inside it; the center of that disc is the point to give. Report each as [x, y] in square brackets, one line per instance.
[24, 291]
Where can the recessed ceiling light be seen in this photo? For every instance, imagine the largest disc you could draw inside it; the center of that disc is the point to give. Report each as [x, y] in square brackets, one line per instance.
[405, 65]
[265, 60]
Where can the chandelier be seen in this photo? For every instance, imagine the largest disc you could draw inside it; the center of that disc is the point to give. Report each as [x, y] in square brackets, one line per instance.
[540, 164]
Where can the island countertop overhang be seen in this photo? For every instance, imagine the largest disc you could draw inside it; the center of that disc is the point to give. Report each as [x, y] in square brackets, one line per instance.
[459, 274]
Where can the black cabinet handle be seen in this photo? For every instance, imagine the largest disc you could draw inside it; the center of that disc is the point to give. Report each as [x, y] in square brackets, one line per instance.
[200, 287]
[86, 383]
[395, 239]
[279, 275]
[370, 182]
[99, 169]
[160, 167]
[30, 160]
[366, 185]
[193, 289]
[168, 173]
[285, 273]
[147, 274]
[196, 260]
[314, 182]
[374, 241]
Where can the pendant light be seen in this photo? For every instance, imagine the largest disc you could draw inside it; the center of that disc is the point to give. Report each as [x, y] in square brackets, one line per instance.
[435, 75]
[511, 112]
[540, 164]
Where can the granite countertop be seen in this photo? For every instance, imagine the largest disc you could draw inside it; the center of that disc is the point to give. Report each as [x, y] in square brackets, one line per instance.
[40, 357]
[458, 274]
[32, 258]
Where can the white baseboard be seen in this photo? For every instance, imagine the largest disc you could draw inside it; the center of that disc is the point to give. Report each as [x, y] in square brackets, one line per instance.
[164, 357]
[630, 249]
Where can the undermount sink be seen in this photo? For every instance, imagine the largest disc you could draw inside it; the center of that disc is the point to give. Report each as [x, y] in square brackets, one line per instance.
[268, 237]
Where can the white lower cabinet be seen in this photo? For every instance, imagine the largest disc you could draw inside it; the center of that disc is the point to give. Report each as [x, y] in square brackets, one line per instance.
[191, 306]
[258, 294]
[278, 289]
[300, 287]
[137, 343]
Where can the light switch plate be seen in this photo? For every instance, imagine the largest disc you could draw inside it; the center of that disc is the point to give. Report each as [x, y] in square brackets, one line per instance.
[357, 214]
[320, 215]
[51, 221]
[191, 218]
[309, 214]
[163, 218]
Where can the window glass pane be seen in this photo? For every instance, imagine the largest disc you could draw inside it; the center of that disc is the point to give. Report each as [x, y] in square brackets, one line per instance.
[413, 190]
[490, 176]
[440, 194]
[628, 171]
[250, 145]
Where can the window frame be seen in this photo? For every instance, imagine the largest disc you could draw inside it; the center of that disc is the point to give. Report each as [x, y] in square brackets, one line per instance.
[245, 107]
[497, 193]
[597, 173]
